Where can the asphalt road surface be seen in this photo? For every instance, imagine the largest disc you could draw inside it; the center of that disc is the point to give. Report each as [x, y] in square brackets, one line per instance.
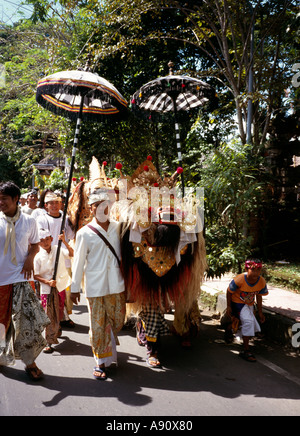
[208, 380]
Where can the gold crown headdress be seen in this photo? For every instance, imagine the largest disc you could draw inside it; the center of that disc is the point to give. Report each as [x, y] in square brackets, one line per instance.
[154, 198]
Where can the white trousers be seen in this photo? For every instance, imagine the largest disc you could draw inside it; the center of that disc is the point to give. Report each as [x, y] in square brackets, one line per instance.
[249, 324]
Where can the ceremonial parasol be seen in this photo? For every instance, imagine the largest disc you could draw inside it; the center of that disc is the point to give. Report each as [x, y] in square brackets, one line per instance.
[173, 93]
[65, 92]
[79, 95]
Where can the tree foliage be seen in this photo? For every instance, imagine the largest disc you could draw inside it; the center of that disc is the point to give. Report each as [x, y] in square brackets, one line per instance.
[130, 42]
[25, 129]
[220, 34]
[235, 195]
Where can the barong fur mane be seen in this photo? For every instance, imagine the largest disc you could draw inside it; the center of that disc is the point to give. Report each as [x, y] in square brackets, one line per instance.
[179, 288]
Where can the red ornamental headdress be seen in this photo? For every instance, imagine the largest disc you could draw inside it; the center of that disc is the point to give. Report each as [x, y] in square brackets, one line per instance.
[252, 264]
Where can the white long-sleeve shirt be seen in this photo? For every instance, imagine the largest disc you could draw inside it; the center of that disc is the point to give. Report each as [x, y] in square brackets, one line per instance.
[53, 224]
[44, 263]
[95, 261]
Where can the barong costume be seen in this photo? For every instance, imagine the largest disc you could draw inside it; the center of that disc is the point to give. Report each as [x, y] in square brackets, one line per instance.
[21, 315]
[163, 254]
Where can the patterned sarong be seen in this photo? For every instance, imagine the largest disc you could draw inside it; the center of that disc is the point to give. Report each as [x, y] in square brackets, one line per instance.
[24, 339]
[154, 323]
[52, 305]
[107, 315]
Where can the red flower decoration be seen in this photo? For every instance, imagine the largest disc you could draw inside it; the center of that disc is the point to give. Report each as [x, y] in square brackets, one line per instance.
[74, 179]
[146, 168]
[149, 157]
[179, 170]
[155, 184]
[104, 163]
[81, 179]
[118, 165]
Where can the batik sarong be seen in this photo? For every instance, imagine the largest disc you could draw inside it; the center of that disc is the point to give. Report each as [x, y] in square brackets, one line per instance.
[53, 305]
[107, 315]
[24, 339]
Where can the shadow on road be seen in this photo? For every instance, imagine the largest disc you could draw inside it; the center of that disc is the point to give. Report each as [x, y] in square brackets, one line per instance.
[210, 366]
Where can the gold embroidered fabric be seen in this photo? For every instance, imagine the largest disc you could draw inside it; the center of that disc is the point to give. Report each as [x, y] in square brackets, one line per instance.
[159, 259]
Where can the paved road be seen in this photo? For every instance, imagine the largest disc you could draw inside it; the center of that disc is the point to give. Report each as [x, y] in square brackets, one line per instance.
[208, 380]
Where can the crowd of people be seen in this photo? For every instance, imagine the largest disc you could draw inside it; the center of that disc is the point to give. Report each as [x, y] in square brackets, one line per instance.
[38, 288]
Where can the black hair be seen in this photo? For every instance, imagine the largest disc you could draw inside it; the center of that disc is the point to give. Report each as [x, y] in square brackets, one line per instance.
[10, 189]
[253, 259]
[42, 198]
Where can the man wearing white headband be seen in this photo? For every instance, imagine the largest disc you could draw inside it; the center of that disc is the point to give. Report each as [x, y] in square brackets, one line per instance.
[97, 258]
[53, 218]
[52, 221]
[98, 195]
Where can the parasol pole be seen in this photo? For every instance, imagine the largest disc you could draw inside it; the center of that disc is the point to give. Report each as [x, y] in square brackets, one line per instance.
[74, 150]
[174, 95]
[178, 144]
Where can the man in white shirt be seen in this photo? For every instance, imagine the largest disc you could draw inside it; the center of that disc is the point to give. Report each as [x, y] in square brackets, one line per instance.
[31, 203]
[20, 309]
[53, 218]
[52, 221]
[98, 261]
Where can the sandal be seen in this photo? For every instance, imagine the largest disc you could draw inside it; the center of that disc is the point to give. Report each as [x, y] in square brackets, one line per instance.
[98, 373]
[34, 373]
[48, 349]
[153, 362]
[246, 355]
[68, 324]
